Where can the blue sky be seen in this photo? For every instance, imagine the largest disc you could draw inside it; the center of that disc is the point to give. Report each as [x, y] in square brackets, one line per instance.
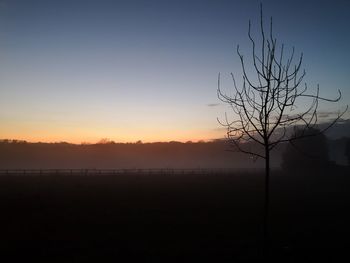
[128, 70]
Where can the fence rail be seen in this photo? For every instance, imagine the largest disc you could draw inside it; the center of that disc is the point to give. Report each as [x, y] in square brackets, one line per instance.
[87, 172]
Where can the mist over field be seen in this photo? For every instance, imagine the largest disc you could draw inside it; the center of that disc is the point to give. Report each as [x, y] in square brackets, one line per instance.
[172, 155]
[211, 155]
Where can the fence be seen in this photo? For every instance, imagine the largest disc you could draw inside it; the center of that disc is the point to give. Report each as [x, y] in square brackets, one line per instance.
[90, 172]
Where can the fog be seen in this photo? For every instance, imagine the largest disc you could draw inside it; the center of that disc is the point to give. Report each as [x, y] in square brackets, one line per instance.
[205, 155]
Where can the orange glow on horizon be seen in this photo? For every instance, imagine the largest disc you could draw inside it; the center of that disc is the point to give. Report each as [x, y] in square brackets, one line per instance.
[84, 137]
[94, 129]
[55, 140]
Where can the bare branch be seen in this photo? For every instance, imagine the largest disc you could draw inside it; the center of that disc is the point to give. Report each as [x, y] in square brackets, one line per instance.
[265, 108]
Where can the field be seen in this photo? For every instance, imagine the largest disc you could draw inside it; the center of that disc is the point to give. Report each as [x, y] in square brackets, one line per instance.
[173, 218]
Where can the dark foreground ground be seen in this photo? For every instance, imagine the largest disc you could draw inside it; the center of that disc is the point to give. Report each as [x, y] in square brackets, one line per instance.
[212, 218]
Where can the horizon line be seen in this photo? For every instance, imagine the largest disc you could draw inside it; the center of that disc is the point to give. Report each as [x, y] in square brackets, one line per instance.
[107, 141]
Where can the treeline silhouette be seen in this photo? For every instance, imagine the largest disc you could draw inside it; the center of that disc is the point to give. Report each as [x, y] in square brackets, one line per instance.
[106, 154]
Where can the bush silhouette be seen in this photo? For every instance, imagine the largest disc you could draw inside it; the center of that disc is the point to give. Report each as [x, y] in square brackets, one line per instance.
[308, 154]
[347, 151]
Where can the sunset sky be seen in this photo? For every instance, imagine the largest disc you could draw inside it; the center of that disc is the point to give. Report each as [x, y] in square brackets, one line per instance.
[79, 71]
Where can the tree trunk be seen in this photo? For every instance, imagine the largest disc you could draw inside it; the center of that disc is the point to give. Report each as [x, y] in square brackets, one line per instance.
[266, 204]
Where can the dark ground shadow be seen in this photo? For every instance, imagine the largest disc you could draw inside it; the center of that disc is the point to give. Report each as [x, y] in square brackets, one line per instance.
[173, 218]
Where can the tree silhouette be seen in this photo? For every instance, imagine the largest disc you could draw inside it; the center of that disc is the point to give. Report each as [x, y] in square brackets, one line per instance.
[265, 103]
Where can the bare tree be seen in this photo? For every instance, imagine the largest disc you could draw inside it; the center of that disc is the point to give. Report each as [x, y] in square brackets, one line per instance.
[265, 106]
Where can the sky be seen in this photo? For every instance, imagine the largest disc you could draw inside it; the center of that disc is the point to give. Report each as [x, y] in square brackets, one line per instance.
[78, 71]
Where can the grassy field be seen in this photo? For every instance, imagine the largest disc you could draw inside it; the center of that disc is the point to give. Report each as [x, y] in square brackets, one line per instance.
[215, 218]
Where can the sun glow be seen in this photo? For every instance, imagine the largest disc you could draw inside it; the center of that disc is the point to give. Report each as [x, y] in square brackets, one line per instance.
[81, 135]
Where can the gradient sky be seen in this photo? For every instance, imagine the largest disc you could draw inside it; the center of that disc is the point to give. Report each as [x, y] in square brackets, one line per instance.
[79, 71]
